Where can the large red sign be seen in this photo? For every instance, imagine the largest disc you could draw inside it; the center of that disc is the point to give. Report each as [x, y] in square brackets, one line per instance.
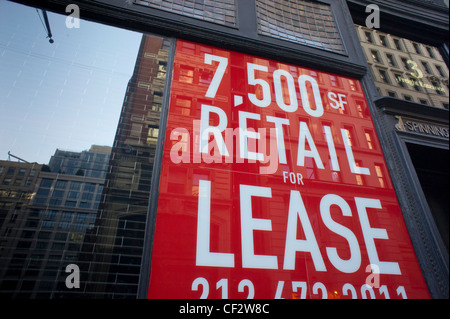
[274, 185]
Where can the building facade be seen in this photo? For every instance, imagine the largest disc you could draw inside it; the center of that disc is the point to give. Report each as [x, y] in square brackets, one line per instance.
[380, 106]
[405, 69]
[50, 212]
[113, 250]
[91, 163]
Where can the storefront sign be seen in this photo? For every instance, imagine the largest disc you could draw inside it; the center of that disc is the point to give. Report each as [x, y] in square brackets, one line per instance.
[420, 83]
[420, 127]
[273, 185]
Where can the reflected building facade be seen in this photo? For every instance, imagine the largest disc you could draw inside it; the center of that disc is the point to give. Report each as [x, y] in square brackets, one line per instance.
[46, 211]
[113, 250]
[405, 69]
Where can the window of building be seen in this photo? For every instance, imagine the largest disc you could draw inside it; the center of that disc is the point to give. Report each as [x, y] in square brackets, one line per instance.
[55, 202]
[334, 81]
[40, 200]
[73, 195]
[375, 56]
[58, 246]
[41, 245]
[368, 36]
[418, 74]
[67, 216]
[359, 178]
[391, 93]
[384, 41]
[441, 71]
[217, 11]
[311, 168]
[407, 97]
[64, 225]
[384, 76]
[58, 194]
[415, 84]
[405, 63]
[44, 235]
[85, 204]
[363, 111]
[426, 67]
[43, 192]
[353, 85]
[48, 224]
[306, 22]
[369, 139]
[50, 214]
[400, 80]
[70, 203]
[398, 44]
[417, 48]
[437, 88]
[46, 183]
[430, 51]
[75, 186]
[391, 60]
[60, 184]
[87, 196]
[350, 134]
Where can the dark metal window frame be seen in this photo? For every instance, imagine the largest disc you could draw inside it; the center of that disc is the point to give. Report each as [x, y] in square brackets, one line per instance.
[244, 37]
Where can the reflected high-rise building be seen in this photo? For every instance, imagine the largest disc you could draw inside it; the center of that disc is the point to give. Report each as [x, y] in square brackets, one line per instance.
[113, 250]
[45, 211]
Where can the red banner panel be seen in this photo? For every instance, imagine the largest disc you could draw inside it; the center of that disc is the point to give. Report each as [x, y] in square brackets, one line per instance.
[274, 185]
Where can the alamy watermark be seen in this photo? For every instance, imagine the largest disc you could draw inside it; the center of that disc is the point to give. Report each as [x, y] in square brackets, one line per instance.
[373, 19]
[73, 279]
[73, 19]
[373, 280]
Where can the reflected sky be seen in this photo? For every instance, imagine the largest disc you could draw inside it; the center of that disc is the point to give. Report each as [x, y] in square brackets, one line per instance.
[66, 95]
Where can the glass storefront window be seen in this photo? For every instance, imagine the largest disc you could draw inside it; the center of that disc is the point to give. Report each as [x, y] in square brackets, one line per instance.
[76, 111]
[217, 11]
[306, 22]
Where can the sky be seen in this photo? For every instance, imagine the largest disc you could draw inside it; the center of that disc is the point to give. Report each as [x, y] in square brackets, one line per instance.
[66, 95]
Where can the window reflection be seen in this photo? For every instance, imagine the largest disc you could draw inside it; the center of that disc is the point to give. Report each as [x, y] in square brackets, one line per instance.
[414, 71]
[302, 21]
[79, 126]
